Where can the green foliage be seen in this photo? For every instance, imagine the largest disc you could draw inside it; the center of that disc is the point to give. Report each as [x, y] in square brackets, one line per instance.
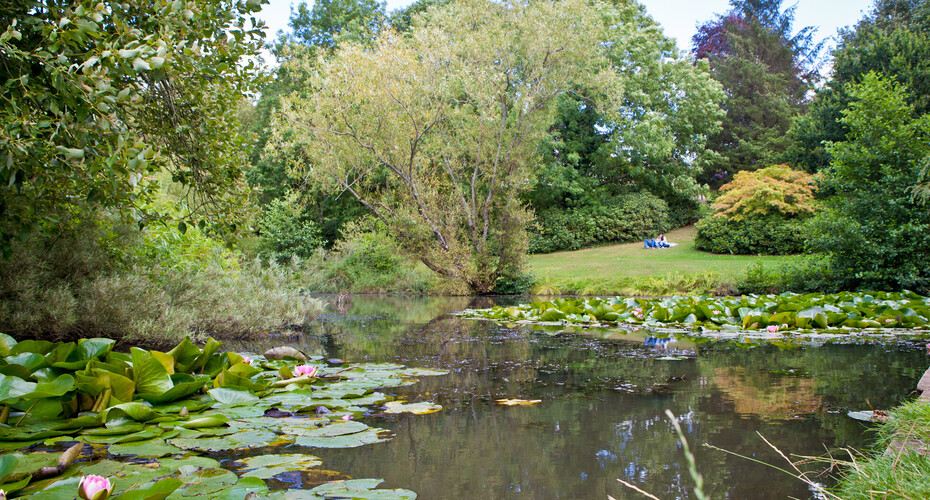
[874, 232]
[101, 280]
[787, 311]
[892, 40]
[172, 408]
[766, 71]
[330, 22]
[760, 212]
[447, 181]
[285, 233]
[753, 235]
[627, 218]
[520, 284]
[368, 260]
[800, 275]
[98, 96]
[900, 474]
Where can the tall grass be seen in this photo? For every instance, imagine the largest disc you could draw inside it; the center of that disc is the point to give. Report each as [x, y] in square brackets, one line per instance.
[152, 289]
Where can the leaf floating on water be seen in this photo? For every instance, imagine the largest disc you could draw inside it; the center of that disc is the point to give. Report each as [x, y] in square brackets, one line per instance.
[518, 402]
[414, 408]
[870, 415]
[268, 466]
[672, 358]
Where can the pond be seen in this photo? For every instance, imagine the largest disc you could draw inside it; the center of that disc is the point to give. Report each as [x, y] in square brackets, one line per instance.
[602, 401]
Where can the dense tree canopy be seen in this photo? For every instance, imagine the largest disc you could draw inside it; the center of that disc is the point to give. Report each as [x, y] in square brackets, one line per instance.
[96, 97]
[436, 132]
[878, 237]
[894, 40]
[766, 71]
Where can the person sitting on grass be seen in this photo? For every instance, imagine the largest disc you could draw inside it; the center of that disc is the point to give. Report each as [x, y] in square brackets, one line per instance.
[662, 242]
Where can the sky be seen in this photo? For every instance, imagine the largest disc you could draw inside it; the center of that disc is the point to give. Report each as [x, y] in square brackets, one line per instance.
[677, 17]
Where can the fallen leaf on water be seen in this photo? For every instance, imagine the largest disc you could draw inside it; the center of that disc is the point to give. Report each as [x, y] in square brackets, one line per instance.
[518, 402]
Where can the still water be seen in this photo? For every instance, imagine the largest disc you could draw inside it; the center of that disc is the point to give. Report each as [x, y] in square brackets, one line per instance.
[603, 398]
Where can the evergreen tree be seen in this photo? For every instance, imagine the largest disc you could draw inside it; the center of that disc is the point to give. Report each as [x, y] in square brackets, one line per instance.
[766, 71]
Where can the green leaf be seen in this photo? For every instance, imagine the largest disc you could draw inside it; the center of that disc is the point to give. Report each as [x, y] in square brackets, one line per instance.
[232, 396]
[268, 466]
[148, 373]
[135, 411]
[7, 466]
[14, 388]
[156, 490]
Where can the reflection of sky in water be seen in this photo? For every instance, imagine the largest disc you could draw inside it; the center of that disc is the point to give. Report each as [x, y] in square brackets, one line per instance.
[603, 401]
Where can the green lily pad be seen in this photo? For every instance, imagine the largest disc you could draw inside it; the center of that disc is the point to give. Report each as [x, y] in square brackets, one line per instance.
[156, 490]
[228, 396]
[205, 483]
[267, 466]
[361, 489]
[357, 439]
[152, 448]
[238, 441]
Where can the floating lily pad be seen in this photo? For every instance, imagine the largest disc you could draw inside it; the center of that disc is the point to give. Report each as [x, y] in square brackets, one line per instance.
[267, 466]
[518, 402]
[153, 448]
[205, 483]
[361, 489]
[369, 436]
[423, 372]
[414, 408]
[237, 441]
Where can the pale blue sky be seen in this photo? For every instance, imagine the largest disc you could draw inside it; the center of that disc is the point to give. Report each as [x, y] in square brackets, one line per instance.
[677, 17]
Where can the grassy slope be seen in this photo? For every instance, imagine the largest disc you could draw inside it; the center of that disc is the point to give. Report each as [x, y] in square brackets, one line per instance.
[612, 264]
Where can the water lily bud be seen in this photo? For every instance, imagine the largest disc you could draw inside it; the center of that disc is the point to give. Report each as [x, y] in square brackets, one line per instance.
[247, 360]
[772, 328]
[305, 371]
[94, 488]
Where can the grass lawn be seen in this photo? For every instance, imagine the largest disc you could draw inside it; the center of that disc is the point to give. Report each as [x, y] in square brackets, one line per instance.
[606, 269]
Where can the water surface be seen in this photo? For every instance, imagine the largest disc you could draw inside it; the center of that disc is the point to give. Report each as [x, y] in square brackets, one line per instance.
[603, 398]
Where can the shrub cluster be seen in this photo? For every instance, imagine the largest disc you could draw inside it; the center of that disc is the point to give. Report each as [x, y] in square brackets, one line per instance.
[368, 260]
[631, 217]
[755, 235]
[285, 233]
[148, 289]
[812, 273]
[759, 212]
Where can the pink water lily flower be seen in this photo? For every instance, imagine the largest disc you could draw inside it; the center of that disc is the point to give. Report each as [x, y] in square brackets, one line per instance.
[94, 487]
[772, 328]
[247, 360]
[347, 417]
[305, 371]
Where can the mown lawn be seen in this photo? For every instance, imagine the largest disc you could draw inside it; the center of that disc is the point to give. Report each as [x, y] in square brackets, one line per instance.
[631, 260]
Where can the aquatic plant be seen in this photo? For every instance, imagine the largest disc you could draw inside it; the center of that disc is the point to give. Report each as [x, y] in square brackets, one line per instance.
[142, 420]
[788, 311]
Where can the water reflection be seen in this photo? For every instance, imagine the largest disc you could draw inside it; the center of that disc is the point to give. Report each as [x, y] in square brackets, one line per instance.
[602, 415]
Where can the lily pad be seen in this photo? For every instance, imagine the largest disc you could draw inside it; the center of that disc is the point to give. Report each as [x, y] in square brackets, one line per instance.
[267, 466]
[238, 441]
[153, 448]
[369, 436]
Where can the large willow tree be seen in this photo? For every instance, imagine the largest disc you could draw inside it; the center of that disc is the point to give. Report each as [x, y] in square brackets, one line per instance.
[437, 131]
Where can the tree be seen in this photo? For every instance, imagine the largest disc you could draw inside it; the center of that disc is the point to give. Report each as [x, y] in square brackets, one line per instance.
[893, 40]
[653, 141]
[100, 96]
[878, 237]
[760, 212]
[329, 22]
[766, 71]
[436, 132]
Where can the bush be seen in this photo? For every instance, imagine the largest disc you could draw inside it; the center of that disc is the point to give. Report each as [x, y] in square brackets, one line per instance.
[759, 212]
[368, 260]
[801, 275]
[631, 217]
[285, 234]
[150, 289]
[755, 235]
[519, 284]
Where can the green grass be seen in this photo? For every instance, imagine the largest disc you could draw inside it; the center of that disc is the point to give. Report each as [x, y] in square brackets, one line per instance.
[893, 474]
[631, 269]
